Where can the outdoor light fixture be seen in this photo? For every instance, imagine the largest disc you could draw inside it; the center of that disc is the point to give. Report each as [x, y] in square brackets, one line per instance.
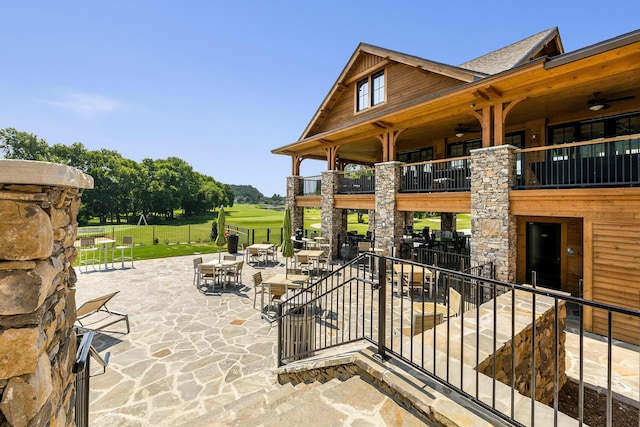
[596, 107]
[459, 134]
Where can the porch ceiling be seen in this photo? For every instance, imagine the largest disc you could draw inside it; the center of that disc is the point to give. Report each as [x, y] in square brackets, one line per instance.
[556, 94]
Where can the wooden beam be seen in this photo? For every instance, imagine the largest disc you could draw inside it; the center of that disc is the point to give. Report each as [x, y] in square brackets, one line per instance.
[382, 124]
[367, 72]
[492, 91]
[480, 94]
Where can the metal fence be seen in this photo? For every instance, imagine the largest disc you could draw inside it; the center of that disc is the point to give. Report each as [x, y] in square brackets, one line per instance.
[361, 181]
[372, 298]
[437, 175]
[607, 162]
[179, 234]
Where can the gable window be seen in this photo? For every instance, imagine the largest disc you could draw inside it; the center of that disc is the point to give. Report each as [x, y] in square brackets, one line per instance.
[363, 94]
[370, 91]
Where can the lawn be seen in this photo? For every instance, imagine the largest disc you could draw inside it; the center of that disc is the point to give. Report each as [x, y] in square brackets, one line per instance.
[191, 235]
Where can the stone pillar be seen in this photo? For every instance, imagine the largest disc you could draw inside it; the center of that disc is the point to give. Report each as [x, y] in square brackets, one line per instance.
[294, 187]
[389, 222]
[448, 221]
[39, 205]
[334, 223]
[371, 226]
[493, 228]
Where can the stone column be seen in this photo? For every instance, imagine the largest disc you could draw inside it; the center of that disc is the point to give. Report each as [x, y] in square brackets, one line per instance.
[389, 222]
[294, 187]
[493, 228]
[39, 205]
[448, 221]
[334, 223]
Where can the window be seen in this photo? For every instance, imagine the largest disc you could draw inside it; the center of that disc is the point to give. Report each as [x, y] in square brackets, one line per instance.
[515, 138]
[422, 155]
[588, 130]
[370, 91]
[363, 94]
[378, 88]
[463, 148]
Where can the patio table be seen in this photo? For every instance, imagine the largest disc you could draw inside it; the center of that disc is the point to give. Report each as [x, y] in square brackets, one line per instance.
[220, 268]
[291, 281]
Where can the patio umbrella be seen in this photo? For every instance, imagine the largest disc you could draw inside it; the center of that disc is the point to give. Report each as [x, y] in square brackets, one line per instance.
[220, 239]
[287, 245]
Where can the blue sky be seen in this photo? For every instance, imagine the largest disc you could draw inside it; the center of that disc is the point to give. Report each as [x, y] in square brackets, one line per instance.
[219, 84]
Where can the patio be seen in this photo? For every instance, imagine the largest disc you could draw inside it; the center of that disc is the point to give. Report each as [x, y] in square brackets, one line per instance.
[189, 354]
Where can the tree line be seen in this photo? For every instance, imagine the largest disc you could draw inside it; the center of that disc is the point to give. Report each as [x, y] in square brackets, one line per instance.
[124, 189]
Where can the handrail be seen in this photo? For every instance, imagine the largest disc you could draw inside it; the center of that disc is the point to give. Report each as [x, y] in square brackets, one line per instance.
[578, 144]
[602, 162]
[82, 368]
[373, 298]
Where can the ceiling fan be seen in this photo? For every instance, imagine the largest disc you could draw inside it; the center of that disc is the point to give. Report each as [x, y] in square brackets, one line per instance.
[599, 102]
[461, 130]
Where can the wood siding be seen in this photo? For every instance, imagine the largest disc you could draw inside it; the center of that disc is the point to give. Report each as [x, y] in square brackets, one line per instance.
[402, 84]
[616, 276]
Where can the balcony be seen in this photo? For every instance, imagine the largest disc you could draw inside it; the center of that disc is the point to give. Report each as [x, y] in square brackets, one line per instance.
[436, 176]
[361, 181]
[610, 162]
[311, 186]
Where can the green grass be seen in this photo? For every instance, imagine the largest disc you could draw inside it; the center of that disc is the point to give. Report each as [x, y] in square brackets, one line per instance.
[160, 241]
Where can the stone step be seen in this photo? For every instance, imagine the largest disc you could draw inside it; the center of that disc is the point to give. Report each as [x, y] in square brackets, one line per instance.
[341, 403]
[250, 408]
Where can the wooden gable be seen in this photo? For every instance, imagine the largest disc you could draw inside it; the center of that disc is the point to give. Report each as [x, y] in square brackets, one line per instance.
[403, 84]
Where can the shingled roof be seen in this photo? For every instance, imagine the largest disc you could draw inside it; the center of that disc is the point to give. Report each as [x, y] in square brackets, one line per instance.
[518, 53]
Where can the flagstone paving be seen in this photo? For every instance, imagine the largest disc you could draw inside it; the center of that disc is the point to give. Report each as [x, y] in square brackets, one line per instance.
[187, 352]
[190, 354]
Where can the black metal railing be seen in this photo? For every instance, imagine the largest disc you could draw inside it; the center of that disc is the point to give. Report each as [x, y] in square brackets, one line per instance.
[607, 162]
[361, 181]
[311, 186]
[394, 305]
[82, 369]
[436, 175]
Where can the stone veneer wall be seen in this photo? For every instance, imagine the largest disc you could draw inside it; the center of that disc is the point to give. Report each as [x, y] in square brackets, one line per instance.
[39, 204]
[294, 185]
[522, 345]
[493, 227]
[333, 222]
[389, 223]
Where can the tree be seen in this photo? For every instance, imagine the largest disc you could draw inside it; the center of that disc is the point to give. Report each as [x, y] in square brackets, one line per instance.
[23, 145]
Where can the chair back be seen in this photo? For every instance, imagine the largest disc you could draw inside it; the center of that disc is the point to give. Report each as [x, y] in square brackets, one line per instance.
[294, 271]
[302, 259]
[207, 270]
[229, 258]
[277, 289]
[94, 305]
[127, 240]
[239, 267]
[425, 321]
[254, 251]
[454, 301]
[87, 241]
[364, 246]
[257, 278]
[196, 262]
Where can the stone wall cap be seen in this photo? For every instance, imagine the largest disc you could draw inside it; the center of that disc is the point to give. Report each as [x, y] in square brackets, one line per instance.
[42, 173]
[495, 147]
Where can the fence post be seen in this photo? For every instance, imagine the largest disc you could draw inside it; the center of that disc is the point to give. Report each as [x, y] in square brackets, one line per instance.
[382, 304]
[189, 234]
[280, 335]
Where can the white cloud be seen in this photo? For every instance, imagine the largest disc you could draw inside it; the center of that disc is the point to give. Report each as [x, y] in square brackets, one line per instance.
[85, 104]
